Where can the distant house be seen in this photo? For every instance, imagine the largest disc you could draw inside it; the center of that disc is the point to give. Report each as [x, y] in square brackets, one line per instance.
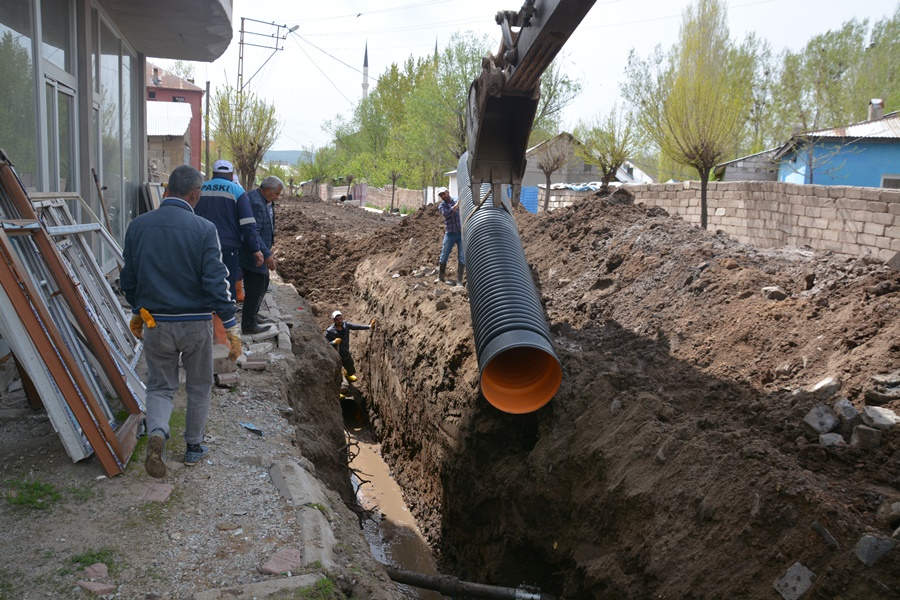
[163, 86]
[575, 169]
[865, 154]
[755, 167]
[168, 137]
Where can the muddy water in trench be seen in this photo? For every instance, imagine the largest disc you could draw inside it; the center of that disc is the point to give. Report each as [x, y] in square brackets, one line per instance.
[394, 537]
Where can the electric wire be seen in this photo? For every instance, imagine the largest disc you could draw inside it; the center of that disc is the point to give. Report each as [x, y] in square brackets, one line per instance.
[302, 49]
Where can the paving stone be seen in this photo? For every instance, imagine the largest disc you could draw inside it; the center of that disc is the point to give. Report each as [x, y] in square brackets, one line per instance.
[819, 420]
[254, 365]
[287, 560]
[221, 362]
[879, 418]
[97, 571]
[284, 341]
[261, 348]
[158, 492]
[794, 582]
[865, 438]
[97, 588]
[870, 548]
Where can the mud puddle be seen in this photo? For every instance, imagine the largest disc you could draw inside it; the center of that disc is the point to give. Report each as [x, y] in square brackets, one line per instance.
[393, 536]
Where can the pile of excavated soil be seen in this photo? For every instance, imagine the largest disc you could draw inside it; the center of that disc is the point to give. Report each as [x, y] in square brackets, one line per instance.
[673, 461]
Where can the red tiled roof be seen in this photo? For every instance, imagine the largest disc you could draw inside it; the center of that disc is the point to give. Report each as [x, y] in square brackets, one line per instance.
[168, 80]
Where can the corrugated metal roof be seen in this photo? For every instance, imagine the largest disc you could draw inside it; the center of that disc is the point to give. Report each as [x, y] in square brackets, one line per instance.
[886, 127]
[168, 118]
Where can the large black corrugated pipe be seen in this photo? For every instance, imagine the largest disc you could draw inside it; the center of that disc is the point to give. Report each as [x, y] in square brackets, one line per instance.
[520, 372]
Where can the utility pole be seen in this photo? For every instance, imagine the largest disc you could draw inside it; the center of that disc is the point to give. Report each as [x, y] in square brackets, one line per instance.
[207, 131]
[272, 43]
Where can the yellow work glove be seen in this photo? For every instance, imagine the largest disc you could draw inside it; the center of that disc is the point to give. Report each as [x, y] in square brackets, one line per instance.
[336, 342]
[137, 326]
[148, 318]
[234, 338]
[372, 325]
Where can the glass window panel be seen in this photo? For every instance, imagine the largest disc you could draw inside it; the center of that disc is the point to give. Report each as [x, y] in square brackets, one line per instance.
[18, 129]
[95, 49]
[129, 129]
[51, 135]
[66, 126]
[110, 129]
[56, 33]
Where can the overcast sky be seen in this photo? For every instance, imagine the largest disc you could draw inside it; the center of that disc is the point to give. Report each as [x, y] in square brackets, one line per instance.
[318, 73]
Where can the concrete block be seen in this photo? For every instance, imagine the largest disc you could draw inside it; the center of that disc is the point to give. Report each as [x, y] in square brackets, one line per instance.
[825, 388]
[831, 440]
[869, 549]
[794, 582]
[819, 420]
[877, 207]
[865, 438]
[873, 228]
[884, 218]
[221, 362]
[261, 348]
[227, 379]
[870, 194]
[254, 365]
[879, 417]
[296, 485]
[317, 538]
[847, 414]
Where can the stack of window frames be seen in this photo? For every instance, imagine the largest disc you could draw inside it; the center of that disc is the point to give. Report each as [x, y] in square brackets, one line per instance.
[65, 325]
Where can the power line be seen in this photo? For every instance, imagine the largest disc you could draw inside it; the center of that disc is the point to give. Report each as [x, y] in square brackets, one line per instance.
[372, 12]
[302, 49]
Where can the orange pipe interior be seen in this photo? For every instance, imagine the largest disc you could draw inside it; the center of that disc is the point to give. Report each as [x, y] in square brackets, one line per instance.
[521, 380]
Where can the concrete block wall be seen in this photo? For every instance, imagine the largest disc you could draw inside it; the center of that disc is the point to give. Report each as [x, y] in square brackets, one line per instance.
[844, 219]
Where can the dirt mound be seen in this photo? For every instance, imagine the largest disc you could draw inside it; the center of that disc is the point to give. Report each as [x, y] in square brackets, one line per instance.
[673, 461]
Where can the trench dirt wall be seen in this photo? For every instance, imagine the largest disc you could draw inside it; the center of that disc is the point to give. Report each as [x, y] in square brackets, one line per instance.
[673, 461]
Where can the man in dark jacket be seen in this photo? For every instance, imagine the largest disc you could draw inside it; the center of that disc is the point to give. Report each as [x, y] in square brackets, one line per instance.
[174, 279]
[256, 278]
[225, 204]
[339, 337]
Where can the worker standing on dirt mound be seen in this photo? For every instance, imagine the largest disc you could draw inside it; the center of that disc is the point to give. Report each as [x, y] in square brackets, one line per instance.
[338, 335]
[225, 204]
[174, 280]
[453, 236]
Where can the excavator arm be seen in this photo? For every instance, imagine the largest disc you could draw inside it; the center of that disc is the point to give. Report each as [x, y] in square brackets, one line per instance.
[519, 369]
[503, 100]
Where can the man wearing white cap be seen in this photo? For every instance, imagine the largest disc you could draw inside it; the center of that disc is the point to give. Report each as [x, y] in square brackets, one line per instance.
[338, 335]
[453, 236]
[225, 203]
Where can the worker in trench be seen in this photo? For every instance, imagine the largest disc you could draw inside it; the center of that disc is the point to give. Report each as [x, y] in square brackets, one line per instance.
[338, 335]
[452, 236]
[174, 279]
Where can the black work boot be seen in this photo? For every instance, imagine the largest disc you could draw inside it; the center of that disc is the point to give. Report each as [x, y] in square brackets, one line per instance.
[442, 272]
[459, 273]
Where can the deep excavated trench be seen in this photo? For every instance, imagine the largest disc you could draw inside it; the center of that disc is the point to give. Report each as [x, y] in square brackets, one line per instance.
[673, 461]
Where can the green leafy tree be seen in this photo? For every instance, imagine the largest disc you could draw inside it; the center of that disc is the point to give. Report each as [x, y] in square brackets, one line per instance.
[320, 168]
[183, 69]
[18, 133]
[607, 142]
[245, 127]
[692, 101]
[558, 90]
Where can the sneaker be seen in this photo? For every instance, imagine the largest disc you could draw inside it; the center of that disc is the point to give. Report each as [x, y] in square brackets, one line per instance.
[155, 463]
[351, 378]
[264, 320]
[195, 453]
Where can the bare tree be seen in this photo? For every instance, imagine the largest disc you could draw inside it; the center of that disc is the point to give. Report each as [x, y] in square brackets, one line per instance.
[394, 175]
[246, 127]
[606, 142]
[551, 156]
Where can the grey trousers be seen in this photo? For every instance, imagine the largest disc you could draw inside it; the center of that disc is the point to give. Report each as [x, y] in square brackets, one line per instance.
[193, 341]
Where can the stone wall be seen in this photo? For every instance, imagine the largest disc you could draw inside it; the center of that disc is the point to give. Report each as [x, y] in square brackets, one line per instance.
[844, 219]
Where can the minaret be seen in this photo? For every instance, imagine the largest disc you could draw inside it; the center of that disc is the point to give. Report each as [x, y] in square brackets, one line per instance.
[365, 84]
[435, 52]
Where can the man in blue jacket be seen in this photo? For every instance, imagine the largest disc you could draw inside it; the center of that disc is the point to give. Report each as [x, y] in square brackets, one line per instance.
[256, 277]
[225, 204]
[174, 279]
